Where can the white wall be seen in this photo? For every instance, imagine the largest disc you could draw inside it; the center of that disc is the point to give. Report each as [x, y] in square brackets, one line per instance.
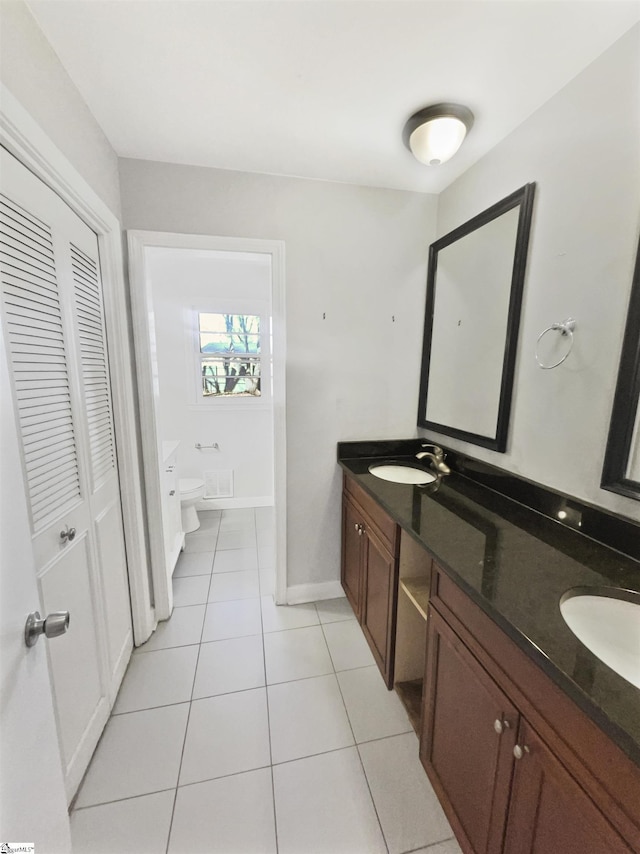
[355, 258]
[30, 69]
[582, 148]
[181, 280]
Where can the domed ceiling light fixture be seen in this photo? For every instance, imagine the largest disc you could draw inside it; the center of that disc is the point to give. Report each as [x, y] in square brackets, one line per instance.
[434, 134]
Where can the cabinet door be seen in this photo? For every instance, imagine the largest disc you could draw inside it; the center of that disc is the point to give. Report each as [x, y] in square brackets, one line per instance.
[468, 734]
[352, 532]
[549, 811]
[379, 602]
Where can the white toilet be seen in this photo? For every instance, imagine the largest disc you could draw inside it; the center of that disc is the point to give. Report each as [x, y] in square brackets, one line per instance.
[191, 491]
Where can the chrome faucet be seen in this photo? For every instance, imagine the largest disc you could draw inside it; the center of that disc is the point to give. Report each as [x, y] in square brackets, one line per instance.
[436, 455]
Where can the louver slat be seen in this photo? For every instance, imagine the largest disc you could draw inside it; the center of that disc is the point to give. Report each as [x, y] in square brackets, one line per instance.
[88, 299]
[37, 349]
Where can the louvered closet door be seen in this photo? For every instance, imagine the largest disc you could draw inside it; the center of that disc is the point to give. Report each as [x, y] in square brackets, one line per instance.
[54, 325]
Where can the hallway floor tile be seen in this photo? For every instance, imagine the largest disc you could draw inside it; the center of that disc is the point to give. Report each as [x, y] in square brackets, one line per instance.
[202, 757]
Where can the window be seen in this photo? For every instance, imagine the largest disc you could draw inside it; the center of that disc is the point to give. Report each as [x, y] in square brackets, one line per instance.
[229, 355]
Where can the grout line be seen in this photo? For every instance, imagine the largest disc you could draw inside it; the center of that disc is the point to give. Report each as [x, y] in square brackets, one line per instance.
[120, 800]
[431, 845]
[266, 691]
[223, 776]
[193, 685]
[139, 651]
[375, 808]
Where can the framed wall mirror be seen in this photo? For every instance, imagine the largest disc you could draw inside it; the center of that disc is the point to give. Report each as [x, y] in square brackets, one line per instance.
[474, 294]
[621, 472]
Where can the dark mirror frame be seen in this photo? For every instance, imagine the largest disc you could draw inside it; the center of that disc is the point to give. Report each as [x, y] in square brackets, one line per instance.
[625, 402]
[523, 198]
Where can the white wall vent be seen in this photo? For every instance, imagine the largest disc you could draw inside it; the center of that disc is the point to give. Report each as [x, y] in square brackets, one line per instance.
[218, 484]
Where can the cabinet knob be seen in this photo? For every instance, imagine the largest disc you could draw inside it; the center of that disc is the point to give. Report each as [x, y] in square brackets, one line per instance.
[500, 724]
[519, 752]
[357, 527]
[172, 492]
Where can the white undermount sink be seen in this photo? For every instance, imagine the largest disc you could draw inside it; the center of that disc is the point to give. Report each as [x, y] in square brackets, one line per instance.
[402, 473]
[607, 621]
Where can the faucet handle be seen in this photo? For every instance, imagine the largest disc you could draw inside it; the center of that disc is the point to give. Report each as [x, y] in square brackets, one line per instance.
[437, 450]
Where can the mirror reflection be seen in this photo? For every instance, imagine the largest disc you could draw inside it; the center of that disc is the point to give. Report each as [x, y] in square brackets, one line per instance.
[621, 471]
[474, 293]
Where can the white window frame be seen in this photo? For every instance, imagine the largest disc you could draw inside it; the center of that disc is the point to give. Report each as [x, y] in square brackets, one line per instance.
[194, 357]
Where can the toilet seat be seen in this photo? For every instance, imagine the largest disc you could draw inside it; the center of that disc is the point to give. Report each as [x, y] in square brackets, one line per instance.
[190, 486]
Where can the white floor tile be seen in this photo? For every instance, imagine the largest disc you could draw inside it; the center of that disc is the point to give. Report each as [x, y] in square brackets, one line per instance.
[226, 735]
[193, 563]
[190, 591]
[232, 620]
[296, 654]
[373, 711]
[266, 538]
[323, 806]
[242, 539]
[209, 519]
[307, 717]
[135, 826]
[407, 806]
[265, 517]
[229, 816]
[202, 540]
[234, 520]
[138, 754]
[277, 618]
[234, 585]
[266, 558]
[183, 628]
[235, 560]
[229, 665]
[448, 847]
[347, 645]
[335, 610]
[157, 679]
[267, 581]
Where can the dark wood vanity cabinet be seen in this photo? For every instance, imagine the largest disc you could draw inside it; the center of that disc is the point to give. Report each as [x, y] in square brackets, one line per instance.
[352, 523]
[370, 540]
[549, 811]
[518, 768]
[469, 732]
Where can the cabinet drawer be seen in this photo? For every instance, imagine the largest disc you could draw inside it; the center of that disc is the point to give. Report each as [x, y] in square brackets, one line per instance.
[386, 529]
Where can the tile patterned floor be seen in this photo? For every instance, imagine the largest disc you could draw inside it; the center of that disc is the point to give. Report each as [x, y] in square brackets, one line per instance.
[246, 728]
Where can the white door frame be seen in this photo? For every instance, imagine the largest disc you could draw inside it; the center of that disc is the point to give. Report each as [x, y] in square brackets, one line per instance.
[26, 140]
[142, 312]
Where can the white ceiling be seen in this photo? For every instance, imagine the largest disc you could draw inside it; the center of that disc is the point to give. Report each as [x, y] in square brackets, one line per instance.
[319, 88]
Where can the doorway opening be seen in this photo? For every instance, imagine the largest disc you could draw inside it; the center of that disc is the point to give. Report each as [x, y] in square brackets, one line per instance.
[210, 349]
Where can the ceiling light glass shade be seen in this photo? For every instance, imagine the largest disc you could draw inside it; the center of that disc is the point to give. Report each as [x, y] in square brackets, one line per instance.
[434, 134]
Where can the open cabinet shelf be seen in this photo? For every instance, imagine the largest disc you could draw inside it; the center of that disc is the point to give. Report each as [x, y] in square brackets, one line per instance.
[417, 589]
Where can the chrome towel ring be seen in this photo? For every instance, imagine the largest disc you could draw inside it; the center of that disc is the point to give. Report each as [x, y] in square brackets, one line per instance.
[565, 329]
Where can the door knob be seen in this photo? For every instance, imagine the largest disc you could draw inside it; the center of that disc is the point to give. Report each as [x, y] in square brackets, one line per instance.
[52, 626]
[68, 534]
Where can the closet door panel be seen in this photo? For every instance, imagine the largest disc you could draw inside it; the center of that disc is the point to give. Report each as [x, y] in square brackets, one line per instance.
[54, 323]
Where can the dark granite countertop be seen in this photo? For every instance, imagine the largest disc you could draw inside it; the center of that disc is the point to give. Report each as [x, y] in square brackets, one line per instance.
[516, 563]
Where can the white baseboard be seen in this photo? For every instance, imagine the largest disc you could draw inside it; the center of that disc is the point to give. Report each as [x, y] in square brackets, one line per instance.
[300, 593]
[234, 503]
